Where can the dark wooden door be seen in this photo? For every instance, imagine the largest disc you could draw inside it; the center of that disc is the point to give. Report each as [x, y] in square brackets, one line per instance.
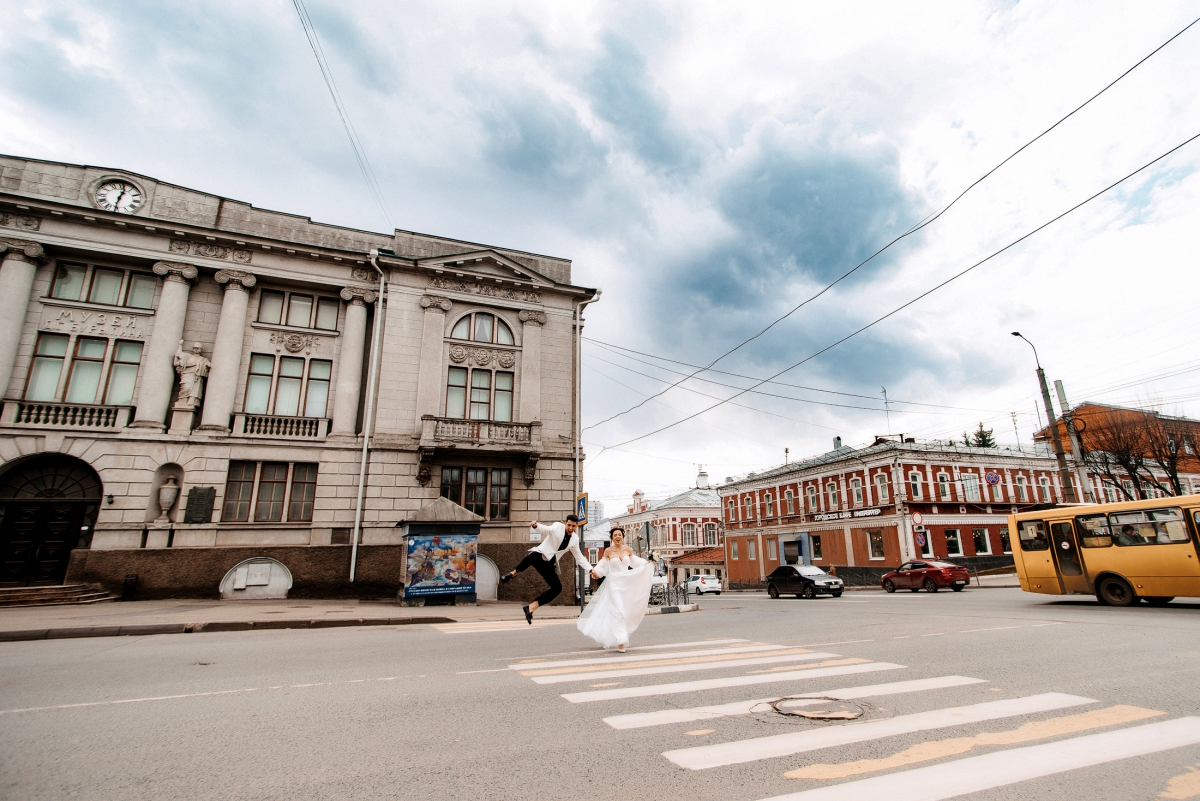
[36, 541]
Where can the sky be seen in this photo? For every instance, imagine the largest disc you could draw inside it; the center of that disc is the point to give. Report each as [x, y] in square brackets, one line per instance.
[708, 166]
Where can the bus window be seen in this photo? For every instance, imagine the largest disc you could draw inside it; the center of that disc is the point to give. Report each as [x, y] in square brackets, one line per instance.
[1094, 531]
[1033, 536]
[1150, 527]
[1064, 549]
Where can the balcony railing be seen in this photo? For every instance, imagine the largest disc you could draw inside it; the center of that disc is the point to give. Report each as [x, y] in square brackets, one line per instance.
[279, 427]
[525, 437]
[83, 416]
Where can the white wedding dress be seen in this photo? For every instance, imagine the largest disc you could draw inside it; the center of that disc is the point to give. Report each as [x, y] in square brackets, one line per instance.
[620, 604]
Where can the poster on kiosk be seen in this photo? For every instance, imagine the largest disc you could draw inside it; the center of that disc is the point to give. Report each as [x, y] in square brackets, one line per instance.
[440, 564]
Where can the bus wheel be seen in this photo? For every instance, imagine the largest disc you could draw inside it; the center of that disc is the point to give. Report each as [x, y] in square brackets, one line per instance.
[1116, 591]
[1160, 600]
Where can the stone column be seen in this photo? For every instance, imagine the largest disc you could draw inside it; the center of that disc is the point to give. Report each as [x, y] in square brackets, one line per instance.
[350, 362]
[158, 365]
[227, 351]
[16, 285]
[429, 375]
[531, 365]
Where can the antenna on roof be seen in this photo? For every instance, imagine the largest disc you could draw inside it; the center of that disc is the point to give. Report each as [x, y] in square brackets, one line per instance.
[887, 410]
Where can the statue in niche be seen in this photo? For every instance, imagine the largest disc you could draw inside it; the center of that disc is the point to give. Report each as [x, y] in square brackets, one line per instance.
[192, 368]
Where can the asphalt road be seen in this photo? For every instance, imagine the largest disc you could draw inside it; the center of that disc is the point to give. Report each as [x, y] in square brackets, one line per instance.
[1073, 701]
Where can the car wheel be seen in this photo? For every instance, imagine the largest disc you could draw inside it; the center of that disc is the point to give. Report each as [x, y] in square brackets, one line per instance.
[837, 594]
[1115, 591]
[809, 593]
[930, 585]
[1160, 600]
[957, 587]
[772, 591]
[889, 586]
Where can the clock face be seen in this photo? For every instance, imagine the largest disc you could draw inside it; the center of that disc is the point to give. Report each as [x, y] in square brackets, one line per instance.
[119, 196]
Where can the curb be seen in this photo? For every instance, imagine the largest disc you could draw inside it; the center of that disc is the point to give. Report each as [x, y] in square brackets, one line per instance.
[210, 627]
[671, 610]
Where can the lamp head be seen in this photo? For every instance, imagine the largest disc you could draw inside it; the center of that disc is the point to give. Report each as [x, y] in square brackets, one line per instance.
[1016, 333]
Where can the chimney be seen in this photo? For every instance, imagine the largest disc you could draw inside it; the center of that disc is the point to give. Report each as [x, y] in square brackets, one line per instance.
[837, 443]
[702, 479]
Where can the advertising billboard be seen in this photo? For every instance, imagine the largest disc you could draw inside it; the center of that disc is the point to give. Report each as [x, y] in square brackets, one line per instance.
[440, 564]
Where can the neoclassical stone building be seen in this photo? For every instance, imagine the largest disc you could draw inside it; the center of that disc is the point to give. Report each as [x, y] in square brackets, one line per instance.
[184, 371]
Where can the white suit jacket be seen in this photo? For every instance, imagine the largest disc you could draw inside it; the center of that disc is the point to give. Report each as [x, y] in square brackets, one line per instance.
[552, 537]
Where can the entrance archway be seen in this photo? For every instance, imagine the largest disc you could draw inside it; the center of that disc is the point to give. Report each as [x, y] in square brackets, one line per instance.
[47, 504]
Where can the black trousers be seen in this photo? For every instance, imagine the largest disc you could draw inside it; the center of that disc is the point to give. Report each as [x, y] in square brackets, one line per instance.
[545, 569]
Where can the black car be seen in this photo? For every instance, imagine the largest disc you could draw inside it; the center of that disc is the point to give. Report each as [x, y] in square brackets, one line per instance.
[804, 581]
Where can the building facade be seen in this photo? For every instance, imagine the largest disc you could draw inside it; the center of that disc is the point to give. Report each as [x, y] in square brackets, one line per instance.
[182, 370]
[879, 506]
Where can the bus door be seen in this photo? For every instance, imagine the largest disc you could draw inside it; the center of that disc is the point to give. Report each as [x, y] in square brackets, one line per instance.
[1037, 566]
[1066, 554]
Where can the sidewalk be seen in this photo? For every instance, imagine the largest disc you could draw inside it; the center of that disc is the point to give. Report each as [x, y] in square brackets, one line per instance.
[194, 616]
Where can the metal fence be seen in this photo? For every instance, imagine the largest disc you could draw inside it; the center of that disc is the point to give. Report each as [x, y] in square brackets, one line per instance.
[668, 595]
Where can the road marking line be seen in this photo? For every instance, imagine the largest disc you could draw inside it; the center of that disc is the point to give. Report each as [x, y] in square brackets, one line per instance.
[729, 681]
[500, 625]
[610, 660]
[853, 660]
[1039, 625]
[607, 684]
[632, 648]
[698, 732]
[642, 719]
[997, 628]
[1002, 768]
[665, 660]
[803, 655]
[940, 749]
[937, 634]
[1185, 785]
[739, 751]
[468, 672]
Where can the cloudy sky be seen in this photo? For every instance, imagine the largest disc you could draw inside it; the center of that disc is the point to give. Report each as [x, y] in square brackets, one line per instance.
[710, 166]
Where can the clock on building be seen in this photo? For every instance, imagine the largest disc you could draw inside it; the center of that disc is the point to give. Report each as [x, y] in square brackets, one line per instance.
[118, 196]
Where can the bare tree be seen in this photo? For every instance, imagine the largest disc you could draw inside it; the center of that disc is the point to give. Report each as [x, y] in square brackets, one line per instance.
[1114, 446]
[1165, 445]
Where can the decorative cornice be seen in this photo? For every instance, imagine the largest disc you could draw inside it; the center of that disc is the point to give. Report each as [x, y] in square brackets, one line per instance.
[354, 294]
[21, 249]
[483, 356]
[236, 279]
[487, 290]
[436, 304]
[22, 221]
[176, 271]
[363, 274]
[210, 251]
[532, 317]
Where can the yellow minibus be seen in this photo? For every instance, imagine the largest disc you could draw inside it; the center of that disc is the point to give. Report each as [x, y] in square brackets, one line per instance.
[1122, 553]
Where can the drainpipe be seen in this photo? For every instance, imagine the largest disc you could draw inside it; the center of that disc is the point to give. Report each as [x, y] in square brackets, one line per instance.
[579, 385]
[369, 412]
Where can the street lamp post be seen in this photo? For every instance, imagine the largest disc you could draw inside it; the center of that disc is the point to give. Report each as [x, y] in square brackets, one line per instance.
[1064, 472]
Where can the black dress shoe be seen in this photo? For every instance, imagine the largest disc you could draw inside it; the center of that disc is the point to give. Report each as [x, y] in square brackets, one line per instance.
[507, 577]
[528, 615]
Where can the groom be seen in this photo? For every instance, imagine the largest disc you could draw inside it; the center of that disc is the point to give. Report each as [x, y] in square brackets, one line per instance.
[557, 539]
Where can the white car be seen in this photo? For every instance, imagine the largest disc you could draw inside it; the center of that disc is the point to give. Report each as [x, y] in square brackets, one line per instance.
[702, 584]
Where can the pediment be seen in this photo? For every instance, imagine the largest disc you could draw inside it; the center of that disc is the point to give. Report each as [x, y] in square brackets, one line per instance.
[486, 263]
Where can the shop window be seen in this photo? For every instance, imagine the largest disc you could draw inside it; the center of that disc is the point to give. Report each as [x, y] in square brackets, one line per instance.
[817, 554]
[86, 369]
[881, 488]
[482, 327]
[239, 490]
[710, 534]
[970, 484]
[452, 484]
[44, 372]
[500, 481]
[914, 486]
[927, 548]
[304, 490]
[953, 543]
[122, 375]
[875, 543]
[272, 489]
[983, 543]
[1005, 542]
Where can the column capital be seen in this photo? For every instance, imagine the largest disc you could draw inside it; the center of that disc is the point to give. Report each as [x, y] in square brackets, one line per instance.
[434, 303]
[176, 271]
[532, 317]
[358, 295]
[236, 279]
[22, 249]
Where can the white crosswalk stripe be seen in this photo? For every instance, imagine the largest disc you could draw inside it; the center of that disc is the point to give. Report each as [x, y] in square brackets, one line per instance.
[799, 656]
[646, 657]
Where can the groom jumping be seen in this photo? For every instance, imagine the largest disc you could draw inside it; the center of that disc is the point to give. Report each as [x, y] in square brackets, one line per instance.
[557, 539]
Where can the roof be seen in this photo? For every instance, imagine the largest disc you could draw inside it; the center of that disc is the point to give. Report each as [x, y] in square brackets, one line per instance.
[692, 497]
[443, 510]
[705, 556]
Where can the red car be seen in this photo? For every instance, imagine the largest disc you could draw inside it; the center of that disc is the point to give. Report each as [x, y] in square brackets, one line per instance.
[926, 575]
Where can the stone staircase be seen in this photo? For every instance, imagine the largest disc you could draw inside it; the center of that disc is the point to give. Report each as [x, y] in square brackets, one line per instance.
[58, 595]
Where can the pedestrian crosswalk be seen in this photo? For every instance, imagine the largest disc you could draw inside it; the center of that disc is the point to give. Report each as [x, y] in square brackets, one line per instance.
[810, 678]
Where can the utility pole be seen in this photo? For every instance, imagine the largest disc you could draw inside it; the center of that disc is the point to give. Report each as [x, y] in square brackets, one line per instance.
[1064, 472]
[1076, 446]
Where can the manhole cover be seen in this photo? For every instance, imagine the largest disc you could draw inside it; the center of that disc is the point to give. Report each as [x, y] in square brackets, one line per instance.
[818, 708]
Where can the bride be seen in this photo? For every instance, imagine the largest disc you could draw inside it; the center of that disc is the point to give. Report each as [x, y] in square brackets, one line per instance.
[620, 604]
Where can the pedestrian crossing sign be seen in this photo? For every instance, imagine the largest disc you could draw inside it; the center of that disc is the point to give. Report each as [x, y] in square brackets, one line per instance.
[581, 508]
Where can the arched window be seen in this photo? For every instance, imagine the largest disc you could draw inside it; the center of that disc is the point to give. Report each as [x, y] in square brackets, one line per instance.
[791, 502]
[881, 487]
[914, 486]
[770, 502]
[483, 327]
[749, 507]
[831, 490]
[812, 498]
[732, 510]
[944, 486]
[856, 488]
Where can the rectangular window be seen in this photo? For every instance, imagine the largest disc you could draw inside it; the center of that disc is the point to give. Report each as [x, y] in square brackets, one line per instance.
[1094, 531]
[970, 483]
[983, 543]
[481, 394]
[857, 488]
[258, 385]
[270, 307]
[770, 504]
[140, 294]
[272, 487]
[1033, 536]
[456, 392]
[299, 310]
[1005, 542]
[46, 369]
[914, 486]
[748, 508]
[772, 550]
[1022, 493]
[875, 543]
[68, 281]
[733, 551]
[816, 547]
[327, 314]
[881, 487]
[927, 547]
[477, 490]
[304, 490]
[239, 487]
[832, 490]
[732, 510]
[287, 388]
[812, 499]
[122, 375]
[997, 493]
[452, 484]
[86, 369]
[504, 397]
[501, 477]
[791, 503]
[1044, 489]
[316, 395]
[751, 550]
[953, 543]
[106, 286]
[710, 534]
[689, 534]
[944, 486]
[1150, 527]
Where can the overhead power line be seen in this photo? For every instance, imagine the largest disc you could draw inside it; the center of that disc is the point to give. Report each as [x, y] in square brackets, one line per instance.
[360, 153]
[922, 224]
[923, 295]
